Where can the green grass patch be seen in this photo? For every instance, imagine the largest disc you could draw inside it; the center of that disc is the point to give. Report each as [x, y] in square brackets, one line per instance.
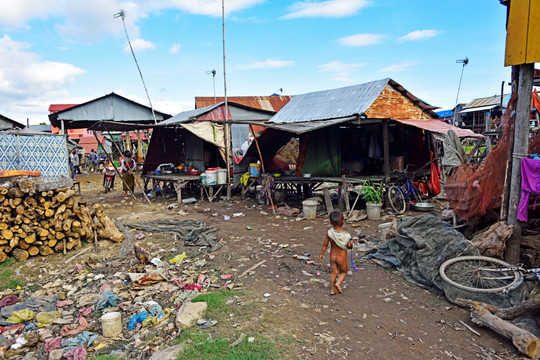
[220, 349]
[104, 357]
[214, 343]
[8, 279]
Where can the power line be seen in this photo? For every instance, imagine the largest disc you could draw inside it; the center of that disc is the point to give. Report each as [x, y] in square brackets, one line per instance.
[122, 14]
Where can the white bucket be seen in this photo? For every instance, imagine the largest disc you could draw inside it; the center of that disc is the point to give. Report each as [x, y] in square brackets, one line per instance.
[384, 228]
[309, 208]
[111, 324]
[221, 176]
[373, 211]
[211, 177]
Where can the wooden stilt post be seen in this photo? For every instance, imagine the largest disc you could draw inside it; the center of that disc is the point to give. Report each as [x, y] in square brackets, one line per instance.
[521, 144]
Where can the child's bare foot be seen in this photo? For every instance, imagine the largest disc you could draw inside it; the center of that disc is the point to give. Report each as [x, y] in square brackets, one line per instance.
[338, 288]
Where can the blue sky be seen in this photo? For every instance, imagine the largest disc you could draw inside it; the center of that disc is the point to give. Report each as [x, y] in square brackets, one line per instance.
[71, 51]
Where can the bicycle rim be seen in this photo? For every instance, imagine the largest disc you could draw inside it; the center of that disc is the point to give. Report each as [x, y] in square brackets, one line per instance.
[396, 199]
[480, 274]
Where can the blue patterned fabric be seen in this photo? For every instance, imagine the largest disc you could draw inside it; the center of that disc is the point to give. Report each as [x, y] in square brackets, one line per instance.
[44, 153]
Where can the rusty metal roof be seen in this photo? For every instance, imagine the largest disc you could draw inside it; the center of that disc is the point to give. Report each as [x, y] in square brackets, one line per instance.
[488, 101]
[439, 127]
[340, 103]
[270, 103]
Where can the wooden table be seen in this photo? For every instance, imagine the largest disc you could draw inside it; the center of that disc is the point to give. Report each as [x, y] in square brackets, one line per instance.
[178, 181]
[208, 190]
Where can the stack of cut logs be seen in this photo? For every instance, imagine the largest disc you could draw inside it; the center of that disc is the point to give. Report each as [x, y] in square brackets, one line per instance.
[35, 221]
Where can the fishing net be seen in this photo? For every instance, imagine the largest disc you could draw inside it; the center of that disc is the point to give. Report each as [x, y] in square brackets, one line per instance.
[475, 189]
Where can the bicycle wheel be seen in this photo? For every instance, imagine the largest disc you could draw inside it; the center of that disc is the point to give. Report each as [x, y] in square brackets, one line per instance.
[480, 274]
[397, 199]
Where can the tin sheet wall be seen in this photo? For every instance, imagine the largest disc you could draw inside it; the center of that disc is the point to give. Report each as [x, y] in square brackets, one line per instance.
[45, 153]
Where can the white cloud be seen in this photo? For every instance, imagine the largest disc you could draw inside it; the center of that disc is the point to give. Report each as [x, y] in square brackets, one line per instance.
[140, 45]
[27, 83]
[399, 67]
[340, 66]
[24, 74]
[419, 35]
[361, 39]
[327, 8]
[341, 71]
[267, 64]
[174, 49]
[92, 20]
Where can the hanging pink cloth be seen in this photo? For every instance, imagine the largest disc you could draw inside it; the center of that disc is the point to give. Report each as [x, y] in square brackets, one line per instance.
[530, 184]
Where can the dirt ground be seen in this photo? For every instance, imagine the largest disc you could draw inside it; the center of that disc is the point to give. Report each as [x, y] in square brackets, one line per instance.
[379, 316]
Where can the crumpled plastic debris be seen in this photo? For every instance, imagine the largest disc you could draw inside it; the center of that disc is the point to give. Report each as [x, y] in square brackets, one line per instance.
[53, 344]
[20, 316]
[192, 287]
[64, 303]
[88, 299]
[156, 320]
[46, 318]
[135, 319]
[85, 338]
[178, 258]
[10, 300]
[69, 330]
[77, 353]
[107, 300]
[85, 311]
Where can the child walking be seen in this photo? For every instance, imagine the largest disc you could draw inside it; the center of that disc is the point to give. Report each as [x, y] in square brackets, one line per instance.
[340, 241]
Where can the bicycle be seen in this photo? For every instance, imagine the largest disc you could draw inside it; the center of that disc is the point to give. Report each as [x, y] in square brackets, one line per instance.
[482, 274]
[400, 195]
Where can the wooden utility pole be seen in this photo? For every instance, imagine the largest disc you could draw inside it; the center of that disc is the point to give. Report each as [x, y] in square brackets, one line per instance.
[521, 145]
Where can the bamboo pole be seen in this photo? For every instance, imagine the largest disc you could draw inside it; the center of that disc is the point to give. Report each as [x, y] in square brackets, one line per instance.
[136, 180]
[263, 170]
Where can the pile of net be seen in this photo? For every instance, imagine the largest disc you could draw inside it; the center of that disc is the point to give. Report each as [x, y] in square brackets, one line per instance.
[421, 245]
[191, 232]
[473, 190]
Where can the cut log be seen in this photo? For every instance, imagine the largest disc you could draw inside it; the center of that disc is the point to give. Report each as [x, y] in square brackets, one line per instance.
[3, 257]
[24, 245]
[30, 238]
[45, 250]
[33, 250]
[3, 226]
[63, 196]
[49, 213]
[66, 225]
[109, 230]
[7, 234]
[20, 254]
[523, 340]
[52, 243]
[60, 235]
[509, 313]
[3, 190]
[14, 242]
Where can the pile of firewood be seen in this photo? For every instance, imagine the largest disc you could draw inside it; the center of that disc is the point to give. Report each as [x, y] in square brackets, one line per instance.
[42, 221]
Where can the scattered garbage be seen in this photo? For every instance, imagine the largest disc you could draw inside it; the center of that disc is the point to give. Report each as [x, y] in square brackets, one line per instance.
[111, 324]
[191, 200]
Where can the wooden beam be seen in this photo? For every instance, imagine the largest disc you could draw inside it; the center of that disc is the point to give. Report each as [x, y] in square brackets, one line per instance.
[386, 150]
[521, 145]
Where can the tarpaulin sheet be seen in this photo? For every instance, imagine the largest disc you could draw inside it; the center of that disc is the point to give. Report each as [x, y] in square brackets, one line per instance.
[323, 155]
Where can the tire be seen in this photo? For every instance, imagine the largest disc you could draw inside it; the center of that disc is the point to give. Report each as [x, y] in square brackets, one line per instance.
[107, 185]
[397, 199]
[480, 274]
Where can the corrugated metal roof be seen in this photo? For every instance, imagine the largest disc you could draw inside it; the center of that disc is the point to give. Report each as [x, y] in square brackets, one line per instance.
[479, 108]
[189, 115]
[330, 104]
[59, 107]
[439, 127]
[109, 108]
[270, 103]
[490, 100]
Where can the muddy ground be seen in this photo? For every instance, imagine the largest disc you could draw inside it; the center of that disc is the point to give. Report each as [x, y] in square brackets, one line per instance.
[379, 316]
